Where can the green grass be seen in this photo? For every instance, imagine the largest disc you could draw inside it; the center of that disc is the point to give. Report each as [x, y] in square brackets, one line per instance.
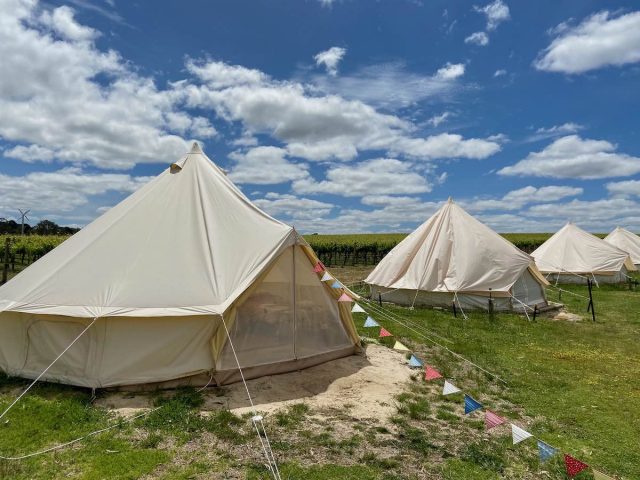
[574, 384]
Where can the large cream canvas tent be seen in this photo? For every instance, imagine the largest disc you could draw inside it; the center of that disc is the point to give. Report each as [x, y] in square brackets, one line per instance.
[160, 271]
[572, 255]
[626, 241]
[453, 257]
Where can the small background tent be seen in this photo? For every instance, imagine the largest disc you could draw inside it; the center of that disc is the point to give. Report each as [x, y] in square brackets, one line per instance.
[572, 255]
[626, 241]
[160, 271]
[453, 255]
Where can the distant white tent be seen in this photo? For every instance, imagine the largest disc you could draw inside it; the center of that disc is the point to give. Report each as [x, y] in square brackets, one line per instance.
[572, 255]
[454, 257]
[626, 241]
[160, 271]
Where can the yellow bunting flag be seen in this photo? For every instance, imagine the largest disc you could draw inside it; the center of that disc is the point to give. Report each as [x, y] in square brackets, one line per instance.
[400, 346]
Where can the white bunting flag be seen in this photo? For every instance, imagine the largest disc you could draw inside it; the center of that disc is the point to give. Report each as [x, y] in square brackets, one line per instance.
[357, 309]
[326, 277]
[449, 388]
[519, 434]
[400, 346]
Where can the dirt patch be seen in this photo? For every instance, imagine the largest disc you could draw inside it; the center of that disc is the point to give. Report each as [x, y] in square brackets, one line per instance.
[365, 384]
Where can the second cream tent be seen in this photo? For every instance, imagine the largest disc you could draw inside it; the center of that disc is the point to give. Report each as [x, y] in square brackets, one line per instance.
[626, 241]
[572, 255]
[453, 257]
[159, 279]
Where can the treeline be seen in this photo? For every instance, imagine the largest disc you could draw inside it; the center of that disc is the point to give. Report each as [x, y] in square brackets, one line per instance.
[44, 227]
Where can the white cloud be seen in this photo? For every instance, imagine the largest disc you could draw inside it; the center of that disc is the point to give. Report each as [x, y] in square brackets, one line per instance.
[573, 157]
[597, 42]
[32, 153]
[377, 85]
[50, 100]
[265, 166]
[327, 3]
[625, 188]
[291, 207]
[554, 131]
[330, 59]
[382, 176]
[478, 38]
[220, 74]
[496, 13]
[606, 211]
[62, 190]
[62, 22]
[438, 119]
[499, 73]
[329, 126]
[516, 199]
[450, 71]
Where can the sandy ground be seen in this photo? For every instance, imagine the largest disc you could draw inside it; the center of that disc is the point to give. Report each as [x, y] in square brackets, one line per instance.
[366, 384]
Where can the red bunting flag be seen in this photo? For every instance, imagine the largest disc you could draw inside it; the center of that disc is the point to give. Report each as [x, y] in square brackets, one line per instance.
[431, 373]
[492, 420]
[573, 465]
[384, 333]
[319, 268]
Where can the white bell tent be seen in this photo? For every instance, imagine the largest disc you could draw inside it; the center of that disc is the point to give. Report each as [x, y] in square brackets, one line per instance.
[626, 241]
[159, 278]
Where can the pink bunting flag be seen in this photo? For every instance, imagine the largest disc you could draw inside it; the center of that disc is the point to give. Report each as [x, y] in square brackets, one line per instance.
[492, 420]
[319, 268]
[573, 465]
[431, 373]
[345, 298]
[384, 333]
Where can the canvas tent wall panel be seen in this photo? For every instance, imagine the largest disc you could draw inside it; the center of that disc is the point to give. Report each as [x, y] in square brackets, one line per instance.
[267, 329]
[528, 290]
[581, 279]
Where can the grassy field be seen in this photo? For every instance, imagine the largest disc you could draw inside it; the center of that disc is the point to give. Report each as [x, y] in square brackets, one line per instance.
[573, 384]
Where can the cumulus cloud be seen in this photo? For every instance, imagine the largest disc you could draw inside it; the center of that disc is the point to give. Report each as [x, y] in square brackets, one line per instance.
[499, 73]
[599, 41]
[478, 38]
[328, 127]
[265, 166]
[291, 207]
[496, 13]
[516, 199]
[220, 74]
[330, 59]
[624, 189]
[62, 190]
[450, 71]
[574, 157]
[382, 176]
[50, 100]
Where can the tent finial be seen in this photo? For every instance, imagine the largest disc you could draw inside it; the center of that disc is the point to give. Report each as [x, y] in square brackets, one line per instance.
[450, 199]
[195, 148]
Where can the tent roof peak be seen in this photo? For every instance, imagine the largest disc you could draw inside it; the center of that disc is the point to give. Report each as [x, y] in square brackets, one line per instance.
[195, 148]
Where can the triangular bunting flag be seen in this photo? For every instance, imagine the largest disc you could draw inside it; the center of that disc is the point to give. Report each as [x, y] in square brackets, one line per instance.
[336, 284]
[318, 268]
[449, 388]
[470, 405]
[519, 434]
[414, 362]
[370, 322]
[431, 373]
[345, 298]
[573, 466]
[357, 309]
[601, 476]
[384, 333]
[400, 346]
[545, 451]
[492, 420]
[326, 277]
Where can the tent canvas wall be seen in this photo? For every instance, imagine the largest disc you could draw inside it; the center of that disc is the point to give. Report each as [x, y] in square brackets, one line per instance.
[626, 241]
[572, 255]
[454, 256]
[161, 271]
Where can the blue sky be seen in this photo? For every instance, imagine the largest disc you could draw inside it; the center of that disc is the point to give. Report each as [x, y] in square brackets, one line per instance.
[334, 116]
